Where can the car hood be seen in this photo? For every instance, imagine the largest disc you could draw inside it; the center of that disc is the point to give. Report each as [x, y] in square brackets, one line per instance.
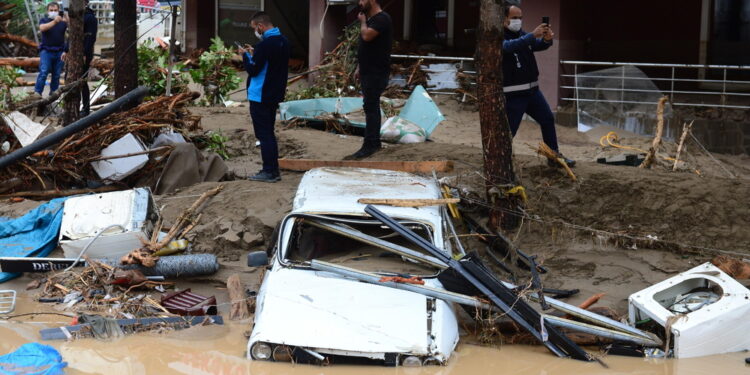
[319, 310]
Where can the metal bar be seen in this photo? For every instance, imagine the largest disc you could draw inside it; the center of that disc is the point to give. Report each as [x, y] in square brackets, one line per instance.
[372, 278]
[605, 63]
[597, 331]
[584, 314]
[374, 241]
[658, 91]
[555, 337]
[170, 66]
[660, 79]
[673, 104]
[132, 97]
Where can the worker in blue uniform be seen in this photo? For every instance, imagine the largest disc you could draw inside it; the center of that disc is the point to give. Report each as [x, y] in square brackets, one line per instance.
[521, 74]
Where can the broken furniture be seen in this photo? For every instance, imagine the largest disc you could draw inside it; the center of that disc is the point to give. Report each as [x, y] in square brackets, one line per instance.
[703, 311]
[187, 303]
[133, 212]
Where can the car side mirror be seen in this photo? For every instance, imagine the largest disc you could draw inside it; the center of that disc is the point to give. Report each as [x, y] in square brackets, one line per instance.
[257, 259]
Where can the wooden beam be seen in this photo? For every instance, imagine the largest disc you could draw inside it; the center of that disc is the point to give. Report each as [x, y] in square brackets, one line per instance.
[18, 39]
[408, 202]
[403, 166]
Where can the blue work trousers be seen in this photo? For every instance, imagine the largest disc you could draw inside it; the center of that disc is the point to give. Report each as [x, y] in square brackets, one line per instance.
[50, 62]
[535, 106]
[264, 117]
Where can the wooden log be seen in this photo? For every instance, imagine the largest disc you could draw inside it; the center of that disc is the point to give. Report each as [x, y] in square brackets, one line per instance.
[18, 39]
[236, 290]
[20, 62]
[650, 156]
[408, 202]
[685, 131]
[403, 166]
[59, 193]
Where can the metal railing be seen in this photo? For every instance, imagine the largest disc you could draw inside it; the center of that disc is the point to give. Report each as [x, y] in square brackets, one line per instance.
[729, 93]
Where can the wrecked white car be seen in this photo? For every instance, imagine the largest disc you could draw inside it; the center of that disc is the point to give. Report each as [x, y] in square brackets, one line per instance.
[304, 314]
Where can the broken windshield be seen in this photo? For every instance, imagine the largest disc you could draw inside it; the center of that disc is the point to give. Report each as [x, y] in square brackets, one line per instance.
[360, 243]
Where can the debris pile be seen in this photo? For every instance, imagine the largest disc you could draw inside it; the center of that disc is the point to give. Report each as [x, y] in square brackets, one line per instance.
[105, 289]
[69, 164]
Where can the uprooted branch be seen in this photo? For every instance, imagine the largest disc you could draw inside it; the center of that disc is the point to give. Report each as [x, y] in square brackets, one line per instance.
[187, 220]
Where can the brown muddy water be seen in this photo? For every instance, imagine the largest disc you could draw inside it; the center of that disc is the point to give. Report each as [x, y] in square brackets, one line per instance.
[221, 350]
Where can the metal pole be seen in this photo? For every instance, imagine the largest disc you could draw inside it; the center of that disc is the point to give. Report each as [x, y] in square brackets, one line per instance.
[622, 99]
[172, 32]
[671, 91]
[597, 331]
[31, 20]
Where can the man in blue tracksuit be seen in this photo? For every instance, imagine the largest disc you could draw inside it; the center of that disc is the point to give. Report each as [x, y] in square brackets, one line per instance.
[267, 65]
[52, 48]
[520, 77]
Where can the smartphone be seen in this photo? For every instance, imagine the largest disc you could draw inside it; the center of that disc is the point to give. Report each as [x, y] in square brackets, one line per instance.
[545, 20]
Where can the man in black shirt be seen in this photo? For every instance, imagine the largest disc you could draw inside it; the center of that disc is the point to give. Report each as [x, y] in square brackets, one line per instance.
[374, 55]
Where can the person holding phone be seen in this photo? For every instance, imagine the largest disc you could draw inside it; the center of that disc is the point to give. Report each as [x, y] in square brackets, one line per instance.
[374, 70]
[520, 77]
[267, 66]
[52, 48]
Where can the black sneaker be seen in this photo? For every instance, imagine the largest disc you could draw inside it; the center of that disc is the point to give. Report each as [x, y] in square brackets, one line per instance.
[362, 153]
[264, 176]
[569, 162]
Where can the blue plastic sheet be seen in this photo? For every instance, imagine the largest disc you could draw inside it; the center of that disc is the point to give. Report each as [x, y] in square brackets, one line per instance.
[32, 359]
[421, 110]
[32, 235]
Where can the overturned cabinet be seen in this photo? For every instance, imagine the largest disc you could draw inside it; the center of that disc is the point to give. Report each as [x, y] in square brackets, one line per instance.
[704, 309]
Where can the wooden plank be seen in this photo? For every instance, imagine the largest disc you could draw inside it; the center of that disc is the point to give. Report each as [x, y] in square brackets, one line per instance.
[403, 166]
[236, 289]
[408, 202]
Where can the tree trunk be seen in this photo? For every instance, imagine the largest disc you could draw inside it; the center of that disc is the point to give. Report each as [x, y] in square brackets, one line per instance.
[496, 136]
[126, 53]
[74, 60]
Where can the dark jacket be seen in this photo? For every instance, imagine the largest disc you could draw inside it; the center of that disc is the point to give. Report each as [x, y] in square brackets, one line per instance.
[268, 68]
[519, 63]
[53, 40]
[90, 29]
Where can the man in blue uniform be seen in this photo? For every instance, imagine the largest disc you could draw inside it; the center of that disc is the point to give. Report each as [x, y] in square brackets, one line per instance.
[267, 66]
[520, 77]
[52, 48]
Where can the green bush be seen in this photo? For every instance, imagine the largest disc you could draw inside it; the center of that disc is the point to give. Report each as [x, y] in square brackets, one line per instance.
[153, 63]
[215, 73]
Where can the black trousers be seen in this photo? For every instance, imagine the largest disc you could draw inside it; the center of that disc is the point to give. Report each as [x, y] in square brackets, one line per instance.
[372, 87]
[85, 93]
[264, 116]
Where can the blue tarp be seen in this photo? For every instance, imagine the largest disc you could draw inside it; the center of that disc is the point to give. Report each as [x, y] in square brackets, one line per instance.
[31, 235]
[419, 109]
[32, 359]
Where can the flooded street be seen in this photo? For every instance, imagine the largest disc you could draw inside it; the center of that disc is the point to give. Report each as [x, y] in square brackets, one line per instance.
[221, 350]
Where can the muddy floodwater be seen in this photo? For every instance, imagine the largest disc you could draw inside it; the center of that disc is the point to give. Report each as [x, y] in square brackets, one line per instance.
[221, 350]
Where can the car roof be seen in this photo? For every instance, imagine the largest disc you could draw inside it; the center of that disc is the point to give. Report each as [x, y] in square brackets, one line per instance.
[336, 191]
